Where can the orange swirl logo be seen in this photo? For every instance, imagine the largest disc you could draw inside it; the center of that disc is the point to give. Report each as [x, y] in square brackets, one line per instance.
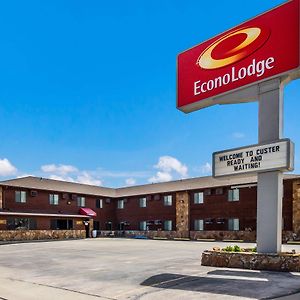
[233, 47]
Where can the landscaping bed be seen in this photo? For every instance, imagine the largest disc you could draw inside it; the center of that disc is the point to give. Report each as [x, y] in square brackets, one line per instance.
[249, 259]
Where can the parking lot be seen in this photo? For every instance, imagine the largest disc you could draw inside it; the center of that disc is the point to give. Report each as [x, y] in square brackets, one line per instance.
[130, 269]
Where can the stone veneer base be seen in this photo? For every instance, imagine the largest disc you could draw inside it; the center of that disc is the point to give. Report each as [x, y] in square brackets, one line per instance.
[284, 262]
[21, 235]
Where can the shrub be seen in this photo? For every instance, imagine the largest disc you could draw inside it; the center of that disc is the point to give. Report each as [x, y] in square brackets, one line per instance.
[237, 248]
[234, 248]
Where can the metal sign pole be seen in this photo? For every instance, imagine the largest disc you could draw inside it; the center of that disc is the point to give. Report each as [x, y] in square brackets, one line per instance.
[270, 184]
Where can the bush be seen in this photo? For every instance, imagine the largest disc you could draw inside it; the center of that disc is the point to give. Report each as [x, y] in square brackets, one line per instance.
[237, 248]
[228, 249]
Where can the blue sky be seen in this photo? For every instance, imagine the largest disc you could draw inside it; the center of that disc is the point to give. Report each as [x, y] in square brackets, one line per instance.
[88, 90]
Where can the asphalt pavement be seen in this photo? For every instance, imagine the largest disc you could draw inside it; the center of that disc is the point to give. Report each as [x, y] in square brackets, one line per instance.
[118, 269]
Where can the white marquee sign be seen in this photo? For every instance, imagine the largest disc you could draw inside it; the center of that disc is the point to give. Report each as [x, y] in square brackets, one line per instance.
[254, 159]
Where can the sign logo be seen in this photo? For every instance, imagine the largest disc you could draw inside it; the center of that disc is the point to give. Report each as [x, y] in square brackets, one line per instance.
[233, 47]
[228, 67]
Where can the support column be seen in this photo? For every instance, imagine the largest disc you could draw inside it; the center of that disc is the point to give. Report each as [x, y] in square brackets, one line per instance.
[182, 214]
[270, 184]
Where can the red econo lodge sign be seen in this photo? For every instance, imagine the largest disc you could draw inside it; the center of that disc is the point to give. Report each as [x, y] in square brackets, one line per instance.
[261, 48]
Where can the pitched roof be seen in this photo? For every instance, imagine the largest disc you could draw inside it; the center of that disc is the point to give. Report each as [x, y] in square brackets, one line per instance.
[39, 183]
[190, 184]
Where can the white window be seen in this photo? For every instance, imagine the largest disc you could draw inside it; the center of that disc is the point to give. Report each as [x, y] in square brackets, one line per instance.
[99, 203]
[198, 198]
[53, 199]
[81, 201]
[143, 225]
[234, 195]
[198, 225]
[143, 202]
[168, 225]
[168, 200]
[20, 196]
[121, 204]
[233, 224]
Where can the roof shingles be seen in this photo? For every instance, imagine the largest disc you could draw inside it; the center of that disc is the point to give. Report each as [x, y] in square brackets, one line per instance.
[39, 183]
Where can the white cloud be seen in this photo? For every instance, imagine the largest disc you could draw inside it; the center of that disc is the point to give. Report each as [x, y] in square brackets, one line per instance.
[61, 178]
[206, 168]
[238, 135]
[7, 168]
[70, 173]
[130, 181]
[25, 175]
[161, 177]
[168, 168]
[168, 164]
[59, 169]
[86, 178]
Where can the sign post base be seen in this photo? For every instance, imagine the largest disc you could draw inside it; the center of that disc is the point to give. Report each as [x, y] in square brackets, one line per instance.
[269, 212]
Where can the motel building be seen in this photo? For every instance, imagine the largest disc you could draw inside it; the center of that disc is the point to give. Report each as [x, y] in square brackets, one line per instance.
[196, 208]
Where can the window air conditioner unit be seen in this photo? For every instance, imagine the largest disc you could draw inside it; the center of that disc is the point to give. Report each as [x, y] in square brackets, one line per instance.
[33, 193]
[220, 221]
[157, 197]
[219, 191]
[209, 221]
[207, 192]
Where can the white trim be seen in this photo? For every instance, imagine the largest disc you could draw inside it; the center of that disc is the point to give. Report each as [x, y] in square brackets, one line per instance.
[2, 213]
[243, 186]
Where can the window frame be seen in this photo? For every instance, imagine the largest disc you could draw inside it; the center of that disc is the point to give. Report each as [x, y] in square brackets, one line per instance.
[200, 224]
[198, 200]
[69, 224]
[99, 203]
[97, 223]
[143, 202]
[21, 195]
[80, 201]
[234, 195]
[52, 199]
[233, 224]
[168, 227]
[29, 223]
[143, 225]
[168, 200]
[119, 205]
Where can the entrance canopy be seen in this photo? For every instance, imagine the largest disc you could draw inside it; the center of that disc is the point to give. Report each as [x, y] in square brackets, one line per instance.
[87, 212]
